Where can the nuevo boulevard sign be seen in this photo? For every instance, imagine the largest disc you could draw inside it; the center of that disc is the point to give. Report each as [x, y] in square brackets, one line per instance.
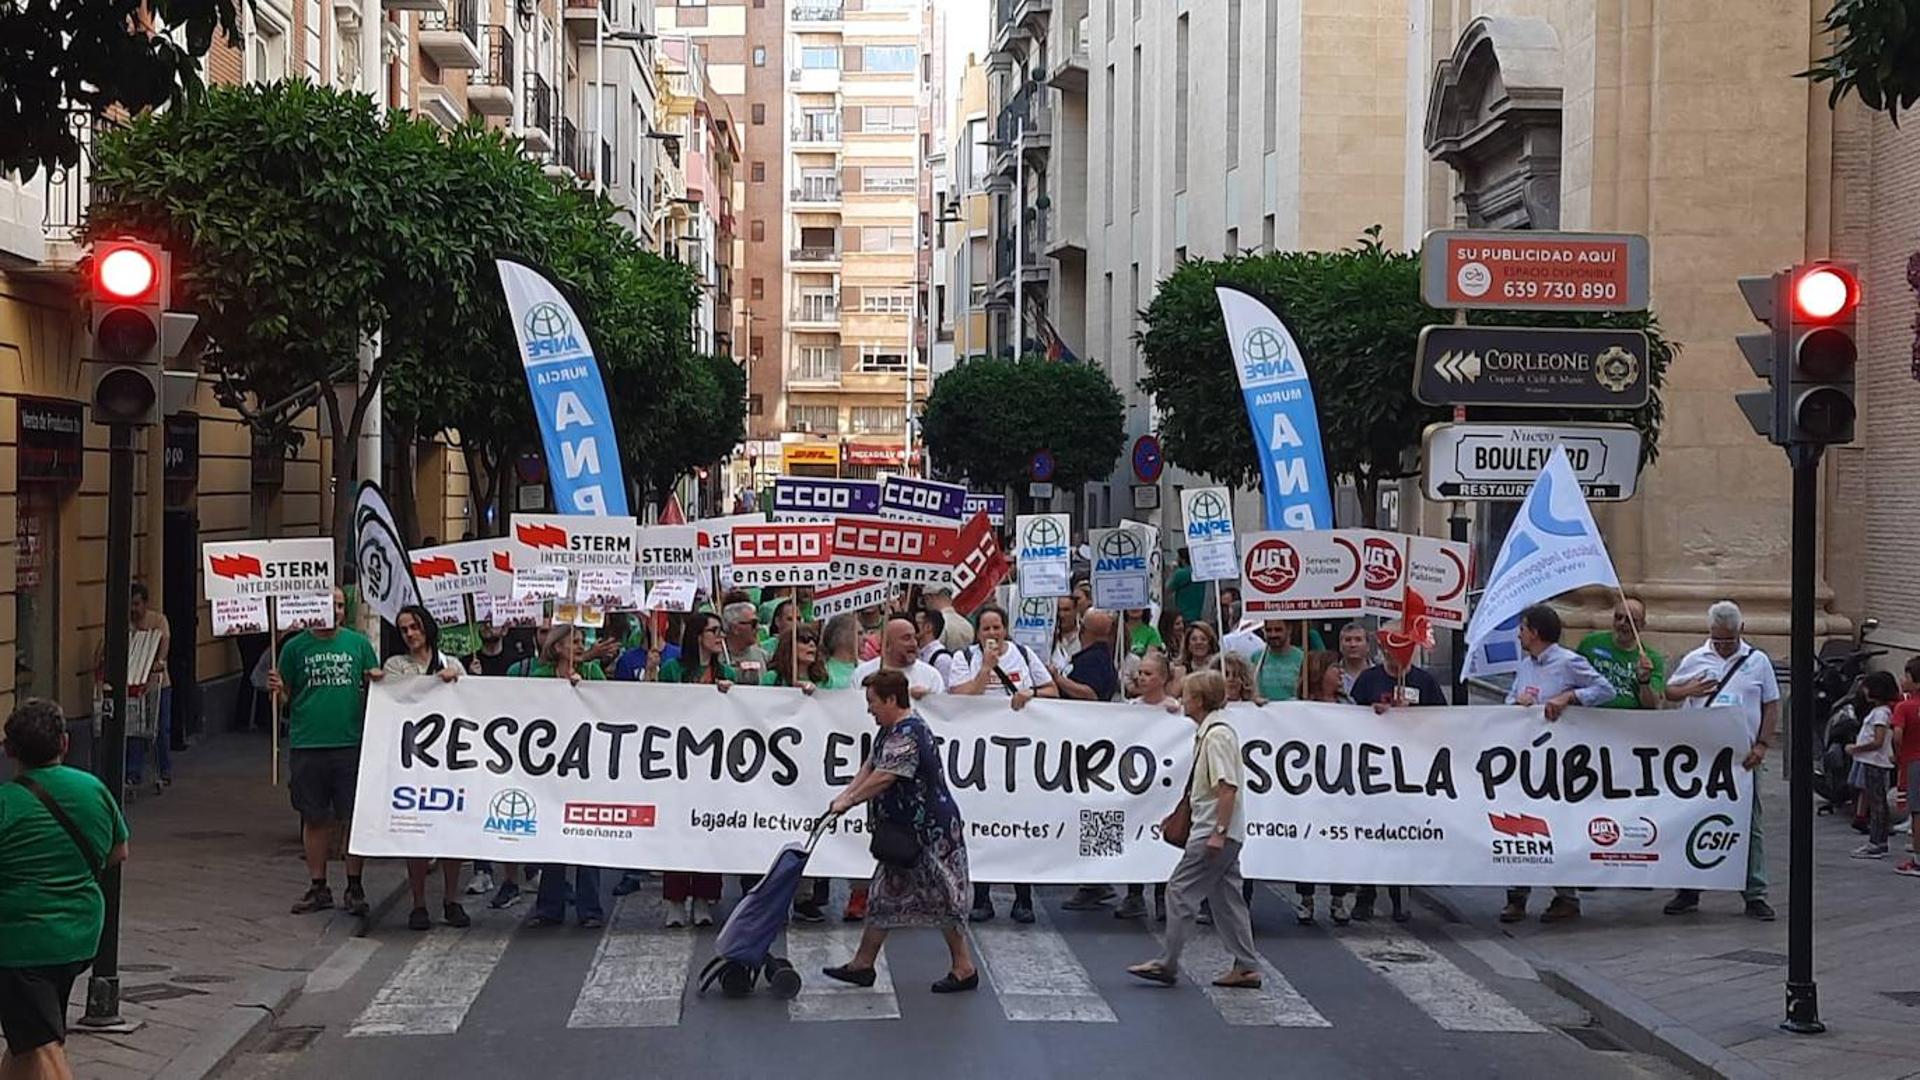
[1536, 271]
[1509, 365]
[1500, 461]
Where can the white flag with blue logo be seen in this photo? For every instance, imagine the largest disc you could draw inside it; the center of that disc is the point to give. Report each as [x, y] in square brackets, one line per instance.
[1553, 547]
[569, 396]
[1286, 424]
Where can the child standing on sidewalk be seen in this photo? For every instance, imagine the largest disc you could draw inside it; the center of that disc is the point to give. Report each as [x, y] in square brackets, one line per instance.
[1872, 750]
[1906, 746]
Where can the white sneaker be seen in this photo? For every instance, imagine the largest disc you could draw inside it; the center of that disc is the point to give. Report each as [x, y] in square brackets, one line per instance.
[1337, 908]
[1303, 910]
[703, 913]
[481, 884]
[676, 915]
[1870, 851]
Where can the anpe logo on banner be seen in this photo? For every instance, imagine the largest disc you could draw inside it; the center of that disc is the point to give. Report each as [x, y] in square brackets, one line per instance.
[550, 334]
[1273, 566]
[1266, 360]
[1044, 541]
[1381, 562]
[1712, 839]
[1209, 517]
[1521, 838]
[511, 814]
[1120, 553]
[429, 800]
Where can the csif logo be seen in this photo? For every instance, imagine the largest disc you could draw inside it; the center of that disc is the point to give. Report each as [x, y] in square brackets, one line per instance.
[1713, 839]
[429, 800]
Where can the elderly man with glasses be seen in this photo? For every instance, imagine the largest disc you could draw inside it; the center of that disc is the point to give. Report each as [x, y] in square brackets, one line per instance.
[1729, 671]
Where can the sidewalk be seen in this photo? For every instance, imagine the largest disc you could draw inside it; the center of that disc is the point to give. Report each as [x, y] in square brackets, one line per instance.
[207, 946]
[1708, 990]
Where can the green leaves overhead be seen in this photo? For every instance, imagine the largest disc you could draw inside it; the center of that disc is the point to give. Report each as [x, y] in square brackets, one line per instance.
[985, 418]
[1357, 316]
[1876, 54]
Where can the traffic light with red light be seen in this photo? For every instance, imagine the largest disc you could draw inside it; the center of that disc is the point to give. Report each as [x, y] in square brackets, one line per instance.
[1809, 353]
[130, 291]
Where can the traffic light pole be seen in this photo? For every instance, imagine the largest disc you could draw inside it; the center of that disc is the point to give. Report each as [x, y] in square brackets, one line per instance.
[103, 986]
[1803, 995]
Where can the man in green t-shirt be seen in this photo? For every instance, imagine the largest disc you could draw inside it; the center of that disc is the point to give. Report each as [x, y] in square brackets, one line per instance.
[51, 908]
[323, 676]
[1278, 664]
[1638, 673]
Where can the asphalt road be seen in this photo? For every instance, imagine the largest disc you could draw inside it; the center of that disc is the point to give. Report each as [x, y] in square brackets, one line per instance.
[499, 999]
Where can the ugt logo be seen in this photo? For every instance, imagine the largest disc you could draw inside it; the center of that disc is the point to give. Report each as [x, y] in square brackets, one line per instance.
[1381, 563]
[550, 332]
[1273, 566]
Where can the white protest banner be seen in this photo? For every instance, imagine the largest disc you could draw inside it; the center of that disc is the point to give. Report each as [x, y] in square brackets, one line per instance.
[447, 610]
[680, 778]
[544, 583]
[1033, 622]
[1209, 516]
[245, 615]
[572, 541]
[788, 553]
[666, 552]
[912, 499]
[312, 611]
[904, 552]
[604, 586]
[808, 498]
[1383, 570]
[1441, 572]
[832, 600]
[483, 607]
[239, 569]
[1302, 575]
[1120, 575]
[1041, 554]
[453, 571]
[675, 594]
[500, 571]
[716, 537]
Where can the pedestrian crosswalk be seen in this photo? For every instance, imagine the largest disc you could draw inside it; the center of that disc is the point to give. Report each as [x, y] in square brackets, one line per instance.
[1059, 969]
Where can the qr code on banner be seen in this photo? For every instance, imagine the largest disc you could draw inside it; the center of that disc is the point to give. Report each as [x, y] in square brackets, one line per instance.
[1103, 833]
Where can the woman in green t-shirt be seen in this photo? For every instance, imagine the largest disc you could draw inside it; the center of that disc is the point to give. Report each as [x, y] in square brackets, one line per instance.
[702, 659]
[841, 642]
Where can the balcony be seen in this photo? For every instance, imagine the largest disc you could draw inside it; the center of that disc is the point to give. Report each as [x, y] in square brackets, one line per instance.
[1069, 73]
[816, 12]
[819, 194]
[490, 86]
[451, 38]
[818, 132]
[814, 80]
[584, 17]
[537, 130]
[815, 255]
[568, 153]
[816, 372]
[410, 5]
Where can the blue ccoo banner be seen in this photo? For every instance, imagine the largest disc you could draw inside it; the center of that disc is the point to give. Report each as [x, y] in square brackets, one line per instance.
[806, 498]
[569, 398]
[908, 499]
[1286, 425]
[994, 506]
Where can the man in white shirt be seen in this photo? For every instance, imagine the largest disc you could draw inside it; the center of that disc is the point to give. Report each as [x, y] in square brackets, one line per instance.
[1728, 671]
[1552, 677]
[929, 627]
[900, 651]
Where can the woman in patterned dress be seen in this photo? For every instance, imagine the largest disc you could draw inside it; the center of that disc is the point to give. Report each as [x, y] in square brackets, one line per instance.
[903, 784]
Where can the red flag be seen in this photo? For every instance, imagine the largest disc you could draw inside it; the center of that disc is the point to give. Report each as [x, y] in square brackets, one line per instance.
[672, 514]
[1414, 632]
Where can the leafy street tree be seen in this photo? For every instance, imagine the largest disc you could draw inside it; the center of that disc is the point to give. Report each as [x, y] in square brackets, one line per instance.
[1876, 54]
[1357, 316]
[92, 55]
[985, 419]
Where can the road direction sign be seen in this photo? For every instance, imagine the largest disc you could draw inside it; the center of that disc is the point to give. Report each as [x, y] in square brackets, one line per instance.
[1511, 365]
[1500, 461]
[1537, 271]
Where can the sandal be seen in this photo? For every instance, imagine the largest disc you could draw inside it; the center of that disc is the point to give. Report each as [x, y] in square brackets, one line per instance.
[1239, 980]
[1153, 973]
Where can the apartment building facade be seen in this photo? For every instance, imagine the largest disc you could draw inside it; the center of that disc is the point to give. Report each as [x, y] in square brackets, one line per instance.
[532, 67]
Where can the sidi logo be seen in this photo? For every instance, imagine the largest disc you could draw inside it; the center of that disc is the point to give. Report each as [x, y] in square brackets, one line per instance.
[1382, 563]
[1273, 566]
[429, 800]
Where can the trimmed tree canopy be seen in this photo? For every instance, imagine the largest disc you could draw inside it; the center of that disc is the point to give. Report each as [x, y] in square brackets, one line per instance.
[986, 417]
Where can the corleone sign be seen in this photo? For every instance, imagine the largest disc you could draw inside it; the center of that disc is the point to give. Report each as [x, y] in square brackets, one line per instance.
[1496, 365]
